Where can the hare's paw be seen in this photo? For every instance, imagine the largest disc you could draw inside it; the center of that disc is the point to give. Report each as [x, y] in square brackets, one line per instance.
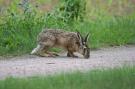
[71, 55]
[75, 56]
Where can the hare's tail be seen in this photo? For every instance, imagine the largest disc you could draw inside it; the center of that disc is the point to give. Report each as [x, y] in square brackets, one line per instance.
[35, 50]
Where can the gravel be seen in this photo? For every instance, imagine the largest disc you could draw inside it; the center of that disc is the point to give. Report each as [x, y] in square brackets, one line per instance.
[30, 65]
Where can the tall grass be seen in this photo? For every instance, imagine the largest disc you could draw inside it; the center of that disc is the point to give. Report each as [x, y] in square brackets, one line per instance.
[20, 27]
[123, 78]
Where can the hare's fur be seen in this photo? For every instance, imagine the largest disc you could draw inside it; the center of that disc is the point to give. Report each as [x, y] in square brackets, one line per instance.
[49, 38]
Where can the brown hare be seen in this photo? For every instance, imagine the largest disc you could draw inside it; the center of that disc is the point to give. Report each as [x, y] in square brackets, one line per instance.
[71, 41]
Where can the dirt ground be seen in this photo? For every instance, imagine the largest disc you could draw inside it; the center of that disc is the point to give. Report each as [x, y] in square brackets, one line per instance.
[30, 65]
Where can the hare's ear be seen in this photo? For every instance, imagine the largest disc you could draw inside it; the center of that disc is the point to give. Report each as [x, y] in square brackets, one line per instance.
[80, 38]
[86, 38]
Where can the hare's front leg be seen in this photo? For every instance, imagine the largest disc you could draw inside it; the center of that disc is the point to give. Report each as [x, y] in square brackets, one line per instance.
[71, 54]
[38, 50]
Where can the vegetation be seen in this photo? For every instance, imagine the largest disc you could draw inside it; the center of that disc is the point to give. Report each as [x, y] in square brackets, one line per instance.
[123, 78]
[20, 23]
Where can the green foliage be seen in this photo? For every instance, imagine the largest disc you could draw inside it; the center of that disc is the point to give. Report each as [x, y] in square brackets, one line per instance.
[98, 9]
[19, 30]
[69, 10]
[73, 9]
[113, 31]
[122, 78]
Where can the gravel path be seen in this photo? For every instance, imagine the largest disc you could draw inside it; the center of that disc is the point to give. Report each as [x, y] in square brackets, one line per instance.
[30, 65]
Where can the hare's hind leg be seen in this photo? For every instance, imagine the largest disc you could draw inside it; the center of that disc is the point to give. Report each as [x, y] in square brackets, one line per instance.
[47, 45]
[41, 50]
[50, 54]
[38, 50]
[55, 54]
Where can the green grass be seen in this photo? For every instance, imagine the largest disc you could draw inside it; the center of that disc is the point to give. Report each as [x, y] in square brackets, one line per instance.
[121, 78]
[18, 30]
[18, 36]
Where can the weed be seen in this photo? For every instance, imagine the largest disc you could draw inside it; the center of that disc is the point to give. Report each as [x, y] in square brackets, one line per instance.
[120, 78]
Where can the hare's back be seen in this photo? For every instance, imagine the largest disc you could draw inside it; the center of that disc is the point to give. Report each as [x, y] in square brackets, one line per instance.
[46, 35]
[60, 37]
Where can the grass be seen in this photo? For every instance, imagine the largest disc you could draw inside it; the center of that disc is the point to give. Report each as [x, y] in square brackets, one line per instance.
[18, 30]
[120, 78]
[18, 36]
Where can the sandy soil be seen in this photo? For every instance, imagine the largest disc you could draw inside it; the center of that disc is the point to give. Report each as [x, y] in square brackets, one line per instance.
[30, 65]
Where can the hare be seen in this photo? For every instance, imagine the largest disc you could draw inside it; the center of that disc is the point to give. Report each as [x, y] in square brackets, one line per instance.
[71, 41]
